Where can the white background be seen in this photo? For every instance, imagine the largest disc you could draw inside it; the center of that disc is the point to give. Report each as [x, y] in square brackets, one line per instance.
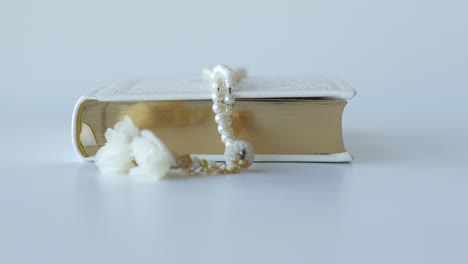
[403, 199]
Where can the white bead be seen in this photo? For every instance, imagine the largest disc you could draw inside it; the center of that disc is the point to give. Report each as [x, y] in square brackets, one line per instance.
[217, 107]
[228, 134]
[226, 139]
[216, 97]
[227, 121]
[240, 150]
[229, 141]
[220, 118]
[228, 110]
[224, 129]
[229, 99]
[224, 121]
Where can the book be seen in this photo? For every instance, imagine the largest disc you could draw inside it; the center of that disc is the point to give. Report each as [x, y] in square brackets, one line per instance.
[284, 120]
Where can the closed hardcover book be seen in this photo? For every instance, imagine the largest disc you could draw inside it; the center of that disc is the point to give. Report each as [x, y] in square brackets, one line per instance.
[284, 120]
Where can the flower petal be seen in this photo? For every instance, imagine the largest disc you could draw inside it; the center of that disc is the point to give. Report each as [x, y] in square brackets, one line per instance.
[127, 128]
[151, 155]
[115, 156]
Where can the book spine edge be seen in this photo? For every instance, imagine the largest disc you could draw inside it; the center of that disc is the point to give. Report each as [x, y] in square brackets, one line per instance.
[74, 128]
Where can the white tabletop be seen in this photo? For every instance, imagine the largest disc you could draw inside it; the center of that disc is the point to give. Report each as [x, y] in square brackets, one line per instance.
[402, 200]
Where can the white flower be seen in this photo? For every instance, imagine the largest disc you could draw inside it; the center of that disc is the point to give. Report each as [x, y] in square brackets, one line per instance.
[115, 156]
[125, 146]
[151, 155]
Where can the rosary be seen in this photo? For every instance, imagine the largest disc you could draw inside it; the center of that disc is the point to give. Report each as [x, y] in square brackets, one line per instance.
[238, 154]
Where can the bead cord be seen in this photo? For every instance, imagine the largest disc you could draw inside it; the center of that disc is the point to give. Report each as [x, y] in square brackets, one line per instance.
[238, 154]
[224, 81]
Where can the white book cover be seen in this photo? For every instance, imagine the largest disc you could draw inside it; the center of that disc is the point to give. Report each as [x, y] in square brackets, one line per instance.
[146, 90]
